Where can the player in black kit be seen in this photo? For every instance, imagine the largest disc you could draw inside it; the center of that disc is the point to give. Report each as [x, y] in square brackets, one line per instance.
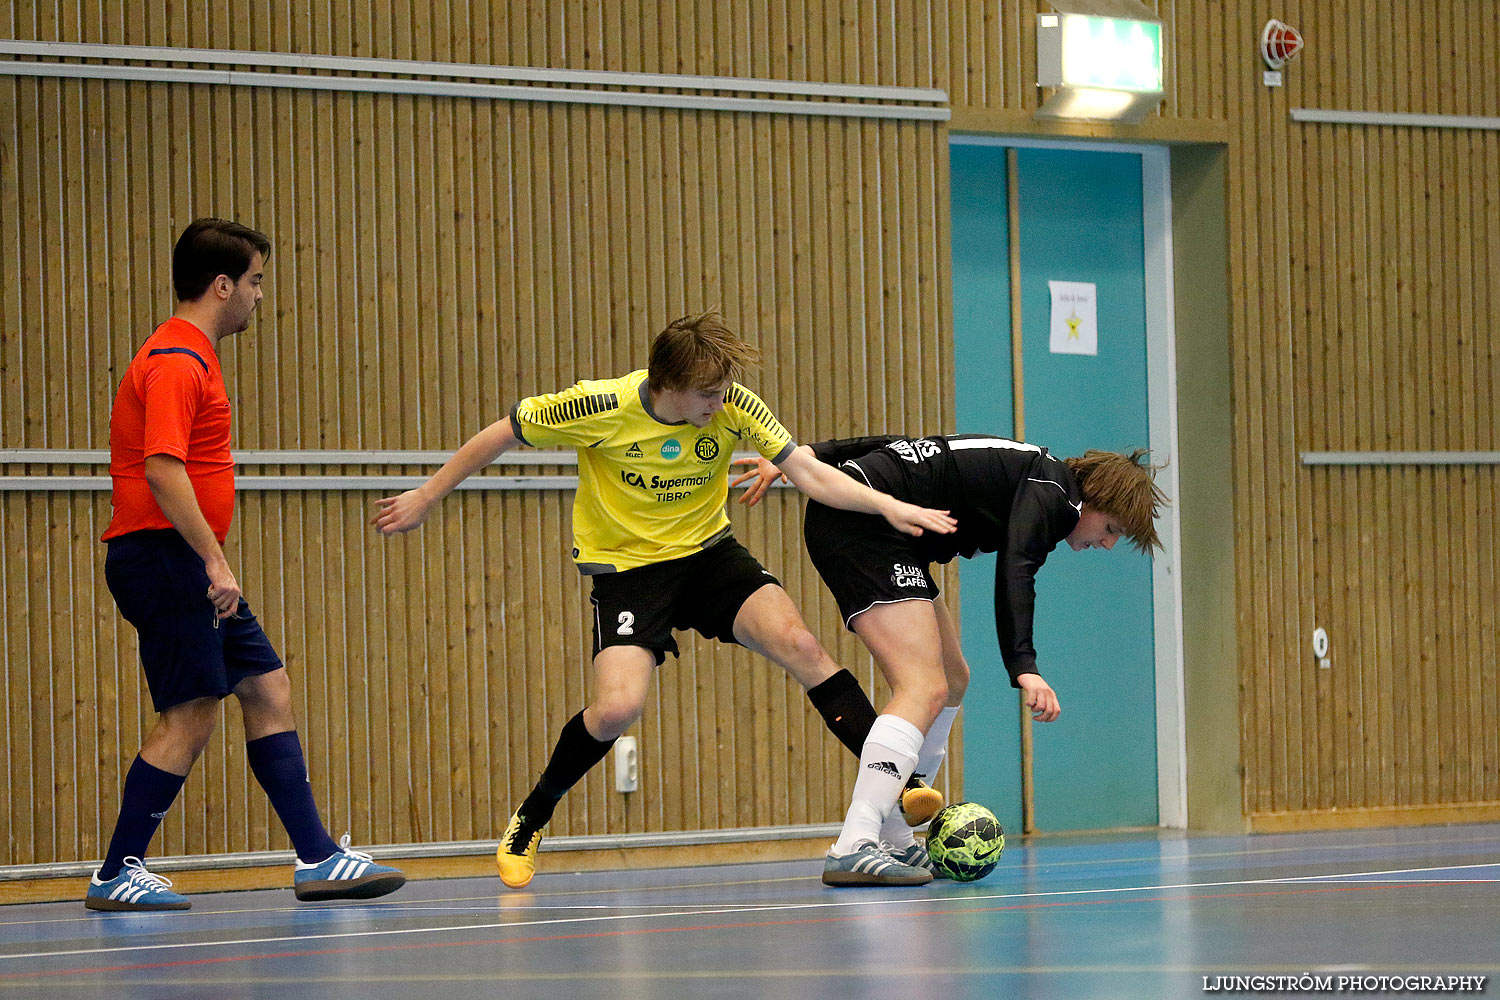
[1008, 497]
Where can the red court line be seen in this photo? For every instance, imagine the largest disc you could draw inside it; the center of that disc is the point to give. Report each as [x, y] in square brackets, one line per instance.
[590, 935]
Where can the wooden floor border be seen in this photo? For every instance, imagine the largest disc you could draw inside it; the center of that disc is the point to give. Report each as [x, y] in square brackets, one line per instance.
[278, 876]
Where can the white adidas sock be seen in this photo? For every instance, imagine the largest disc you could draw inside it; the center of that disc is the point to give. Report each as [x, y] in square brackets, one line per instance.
[889, 755]
[894, 830]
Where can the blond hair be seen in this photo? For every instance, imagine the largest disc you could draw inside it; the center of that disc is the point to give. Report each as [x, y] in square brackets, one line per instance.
[1123, 487]
[698, 352]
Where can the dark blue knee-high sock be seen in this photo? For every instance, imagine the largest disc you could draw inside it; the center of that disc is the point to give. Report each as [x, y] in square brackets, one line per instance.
[281, 770]
[147, 796]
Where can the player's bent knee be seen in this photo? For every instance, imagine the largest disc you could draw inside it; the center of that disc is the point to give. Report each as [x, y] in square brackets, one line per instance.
[190, 726]
[611, 719]
[801, 645]
[267, 692]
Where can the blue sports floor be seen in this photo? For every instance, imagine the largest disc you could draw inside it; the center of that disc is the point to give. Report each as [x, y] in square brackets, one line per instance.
[1125, 916]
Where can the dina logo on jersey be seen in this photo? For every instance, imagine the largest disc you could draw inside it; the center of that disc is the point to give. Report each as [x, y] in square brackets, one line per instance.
[634, 451]
[706, 448]
[671, 449]
[905, 576]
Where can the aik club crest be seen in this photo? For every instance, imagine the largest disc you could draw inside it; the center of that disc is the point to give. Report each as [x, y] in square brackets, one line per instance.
[706, 448]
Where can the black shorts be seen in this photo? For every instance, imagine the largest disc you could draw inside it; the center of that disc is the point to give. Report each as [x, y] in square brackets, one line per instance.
[703, 591]
[187, 651]
[864, 561]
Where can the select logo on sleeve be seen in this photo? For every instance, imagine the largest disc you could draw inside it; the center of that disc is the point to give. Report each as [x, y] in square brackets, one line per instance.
[671, 449]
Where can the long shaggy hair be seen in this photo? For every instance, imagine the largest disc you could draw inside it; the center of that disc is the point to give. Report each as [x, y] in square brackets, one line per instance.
[1124, 487]
[698, 352]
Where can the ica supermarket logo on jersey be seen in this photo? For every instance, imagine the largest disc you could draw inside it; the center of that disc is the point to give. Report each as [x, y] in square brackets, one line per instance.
[671, 449]
[706, 448]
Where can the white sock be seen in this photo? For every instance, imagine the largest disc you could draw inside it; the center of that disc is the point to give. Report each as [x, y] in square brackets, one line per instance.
[894, 830]
[889, 754]
[935, 746]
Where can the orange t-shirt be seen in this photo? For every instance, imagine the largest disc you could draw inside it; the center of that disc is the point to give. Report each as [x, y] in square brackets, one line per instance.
[171, 402]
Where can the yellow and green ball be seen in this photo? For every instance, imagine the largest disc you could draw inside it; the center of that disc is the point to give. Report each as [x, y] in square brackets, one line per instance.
[965, 841]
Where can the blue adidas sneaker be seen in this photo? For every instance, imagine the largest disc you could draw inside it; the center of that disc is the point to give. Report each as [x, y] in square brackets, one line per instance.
[347, 874]
[869, 865]
[134, 889]
[914, 856]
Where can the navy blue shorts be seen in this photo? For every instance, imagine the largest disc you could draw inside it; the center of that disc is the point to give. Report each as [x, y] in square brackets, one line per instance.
[703, 591]
[187, 651]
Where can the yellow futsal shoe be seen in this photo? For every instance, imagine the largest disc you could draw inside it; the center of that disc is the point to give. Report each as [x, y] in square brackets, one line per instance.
[919, 802]
[516, 855]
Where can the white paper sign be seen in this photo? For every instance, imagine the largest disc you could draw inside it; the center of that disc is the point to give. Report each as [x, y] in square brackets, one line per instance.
[1075, 326]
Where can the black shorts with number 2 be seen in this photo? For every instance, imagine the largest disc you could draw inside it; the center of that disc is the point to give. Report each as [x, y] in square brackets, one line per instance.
[703, 591]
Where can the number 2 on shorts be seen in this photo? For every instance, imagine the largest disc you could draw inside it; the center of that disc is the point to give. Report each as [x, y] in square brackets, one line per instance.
[627, 623]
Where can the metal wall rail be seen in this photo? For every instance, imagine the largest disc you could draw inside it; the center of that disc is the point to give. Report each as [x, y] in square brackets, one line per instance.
[921, 111]
[1401, 458]
[96, 484]
[100, 456]
[1394, 118]
[85, 484]
[472, 71]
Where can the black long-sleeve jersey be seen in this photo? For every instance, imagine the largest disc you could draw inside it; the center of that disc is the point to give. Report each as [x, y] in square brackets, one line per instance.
[1008, 497]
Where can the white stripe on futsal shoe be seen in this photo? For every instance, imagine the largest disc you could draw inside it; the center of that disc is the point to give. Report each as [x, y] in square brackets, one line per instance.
[134, 888]
[346, 874]
[869, 865]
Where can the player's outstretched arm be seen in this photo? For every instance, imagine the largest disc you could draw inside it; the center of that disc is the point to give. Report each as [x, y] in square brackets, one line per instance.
[828, 485]
[1040, 698]
[408, 510]
[764, 476]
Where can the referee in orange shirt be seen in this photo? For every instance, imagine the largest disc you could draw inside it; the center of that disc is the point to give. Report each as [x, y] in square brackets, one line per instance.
[173, 501]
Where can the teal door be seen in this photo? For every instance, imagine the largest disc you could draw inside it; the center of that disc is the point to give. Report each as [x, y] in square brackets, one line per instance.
[1080, 220]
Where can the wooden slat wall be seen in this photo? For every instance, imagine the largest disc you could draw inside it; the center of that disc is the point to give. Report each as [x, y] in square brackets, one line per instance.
[1364, 280]
[435, 259]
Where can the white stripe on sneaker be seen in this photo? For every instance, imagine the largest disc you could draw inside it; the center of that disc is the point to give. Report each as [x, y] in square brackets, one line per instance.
[338, 870]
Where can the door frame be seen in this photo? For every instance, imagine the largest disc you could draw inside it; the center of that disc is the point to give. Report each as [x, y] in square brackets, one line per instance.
[1161, 391]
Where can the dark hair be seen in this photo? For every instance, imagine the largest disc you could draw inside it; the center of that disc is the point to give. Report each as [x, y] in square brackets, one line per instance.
[208, 248]
[698, 352]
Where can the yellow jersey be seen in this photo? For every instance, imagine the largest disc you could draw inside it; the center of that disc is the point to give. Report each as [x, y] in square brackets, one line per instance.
[648, 491]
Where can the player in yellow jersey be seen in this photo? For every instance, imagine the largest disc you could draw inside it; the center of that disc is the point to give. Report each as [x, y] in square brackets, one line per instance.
[650, 529]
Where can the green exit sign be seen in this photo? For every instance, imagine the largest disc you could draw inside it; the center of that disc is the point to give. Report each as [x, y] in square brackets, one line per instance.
[1076, 50]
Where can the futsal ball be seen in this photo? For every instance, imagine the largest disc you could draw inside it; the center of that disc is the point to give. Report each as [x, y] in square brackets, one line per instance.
[965, 841]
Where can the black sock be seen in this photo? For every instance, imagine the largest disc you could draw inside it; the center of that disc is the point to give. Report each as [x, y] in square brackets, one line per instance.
[845, 709]
[278, 764]
[575, 753]
[148, 794]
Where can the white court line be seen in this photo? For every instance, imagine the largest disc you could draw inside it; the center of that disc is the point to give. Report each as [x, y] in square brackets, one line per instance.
[1394, 871]
[788, 907]
[1340, 880]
